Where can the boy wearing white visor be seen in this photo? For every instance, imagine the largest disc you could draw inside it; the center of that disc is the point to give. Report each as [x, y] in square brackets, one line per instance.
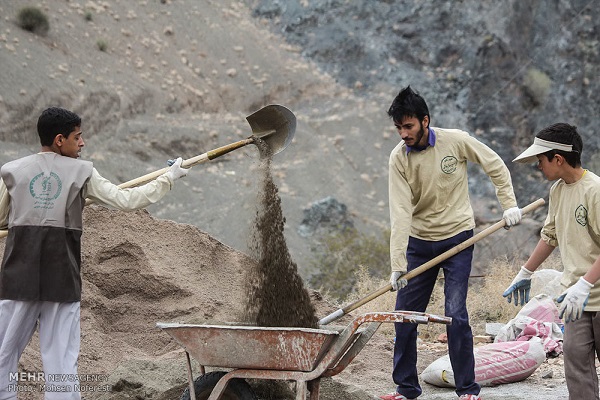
[573, 224]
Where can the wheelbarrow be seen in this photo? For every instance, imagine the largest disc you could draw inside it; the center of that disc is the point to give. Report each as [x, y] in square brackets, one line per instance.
[302, 355]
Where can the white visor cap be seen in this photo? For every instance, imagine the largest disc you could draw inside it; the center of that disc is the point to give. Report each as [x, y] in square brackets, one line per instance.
[541, 146]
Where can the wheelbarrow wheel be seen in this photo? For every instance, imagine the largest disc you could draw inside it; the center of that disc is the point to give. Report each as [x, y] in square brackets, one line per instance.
[236, 389]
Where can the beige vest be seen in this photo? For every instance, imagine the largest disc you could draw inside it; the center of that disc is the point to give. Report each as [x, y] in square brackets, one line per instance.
[42, 256]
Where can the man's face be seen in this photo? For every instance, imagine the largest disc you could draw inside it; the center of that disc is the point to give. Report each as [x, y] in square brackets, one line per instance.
[412, 131]
[71, 146]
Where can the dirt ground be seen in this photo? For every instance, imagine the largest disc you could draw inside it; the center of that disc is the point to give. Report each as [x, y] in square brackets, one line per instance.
[139, 270]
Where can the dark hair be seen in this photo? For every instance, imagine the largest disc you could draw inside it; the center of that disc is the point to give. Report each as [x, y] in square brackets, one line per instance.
[565, 134]
[54, 121]
[408, 104]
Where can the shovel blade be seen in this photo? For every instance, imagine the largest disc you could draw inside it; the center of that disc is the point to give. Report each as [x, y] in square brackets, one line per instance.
[275, 124]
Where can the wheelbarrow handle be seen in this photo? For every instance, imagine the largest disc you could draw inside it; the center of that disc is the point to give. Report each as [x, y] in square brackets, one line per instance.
[424, 267]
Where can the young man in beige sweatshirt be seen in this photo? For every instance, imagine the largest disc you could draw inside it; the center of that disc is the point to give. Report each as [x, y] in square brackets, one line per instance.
[430, 213]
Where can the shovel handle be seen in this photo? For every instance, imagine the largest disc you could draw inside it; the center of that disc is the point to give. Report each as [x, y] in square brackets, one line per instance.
[190, 162]
[429, 264]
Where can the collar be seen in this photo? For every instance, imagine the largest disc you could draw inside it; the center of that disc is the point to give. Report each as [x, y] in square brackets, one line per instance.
[430, 142]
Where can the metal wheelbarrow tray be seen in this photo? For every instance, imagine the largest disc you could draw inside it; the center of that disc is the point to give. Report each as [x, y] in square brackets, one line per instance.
[293, 354]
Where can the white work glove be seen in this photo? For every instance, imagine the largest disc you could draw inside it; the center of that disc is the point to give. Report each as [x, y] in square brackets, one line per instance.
[176, 172]
[397, 282]
[519, 287]
[574, 300]
[512, 216]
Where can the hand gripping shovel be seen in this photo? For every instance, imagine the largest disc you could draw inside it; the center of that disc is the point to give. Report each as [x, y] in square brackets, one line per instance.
[424, 267]
[273, 124]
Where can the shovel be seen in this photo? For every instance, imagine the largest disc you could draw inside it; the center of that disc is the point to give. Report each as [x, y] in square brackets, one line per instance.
[273, 124]
[424, 267]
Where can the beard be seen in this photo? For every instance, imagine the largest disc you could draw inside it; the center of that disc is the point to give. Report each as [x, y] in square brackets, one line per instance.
[419, 138]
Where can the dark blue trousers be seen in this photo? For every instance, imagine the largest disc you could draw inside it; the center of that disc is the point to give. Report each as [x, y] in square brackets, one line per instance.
[415, 297]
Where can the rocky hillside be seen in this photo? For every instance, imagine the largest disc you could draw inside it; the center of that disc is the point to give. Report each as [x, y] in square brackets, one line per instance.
[156, 79]
[502, 70]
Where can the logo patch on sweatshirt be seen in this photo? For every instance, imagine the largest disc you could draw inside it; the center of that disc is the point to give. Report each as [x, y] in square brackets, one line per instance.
[581, 215]
[45, 189]
[449, 164]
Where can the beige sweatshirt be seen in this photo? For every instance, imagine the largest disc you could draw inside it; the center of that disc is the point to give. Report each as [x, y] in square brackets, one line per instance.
[573, 224]
[428, 190]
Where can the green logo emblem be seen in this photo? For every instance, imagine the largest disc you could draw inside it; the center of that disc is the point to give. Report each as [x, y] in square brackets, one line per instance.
[581, 215]
[449, 164]
[45, 189]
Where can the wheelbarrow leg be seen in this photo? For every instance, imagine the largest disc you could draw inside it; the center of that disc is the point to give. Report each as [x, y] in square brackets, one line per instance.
[301, 390]
[313, 387]
[190, 376]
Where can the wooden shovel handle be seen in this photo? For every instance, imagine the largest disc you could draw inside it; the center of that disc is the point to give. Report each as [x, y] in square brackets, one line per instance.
[190, 162]
[431, 263]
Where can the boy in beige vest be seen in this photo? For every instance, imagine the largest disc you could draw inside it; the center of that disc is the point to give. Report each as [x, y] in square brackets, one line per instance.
[41, 202]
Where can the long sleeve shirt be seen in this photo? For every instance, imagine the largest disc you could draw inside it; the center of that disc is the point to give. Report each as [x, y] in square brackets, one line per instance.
[428, 189]
[573, 225]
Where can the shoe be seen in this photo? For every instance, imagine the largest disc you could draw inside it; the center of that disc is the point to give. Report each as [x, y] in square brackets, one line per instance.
[394, 396]
[469, 397]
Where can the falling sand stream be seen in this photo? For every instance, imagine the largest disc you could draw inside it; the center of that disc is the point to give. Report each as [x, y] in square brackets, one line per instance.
[276, 293]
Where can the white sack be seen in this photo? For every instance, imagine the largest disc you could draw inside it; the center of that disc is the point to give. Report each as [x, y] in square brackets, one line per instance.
[495, 363]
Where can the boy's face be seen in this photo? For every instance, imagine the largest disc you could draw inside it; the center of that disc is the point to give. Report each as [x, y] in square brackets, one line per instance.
[71, 146]
[550, 168]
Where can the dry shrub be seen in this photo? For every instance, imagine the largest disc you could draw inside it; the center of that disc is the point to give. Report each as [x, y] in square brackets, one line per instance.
[339, 254]
[537, 85]
[365, 284]
[34, 20]
[484, 300]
